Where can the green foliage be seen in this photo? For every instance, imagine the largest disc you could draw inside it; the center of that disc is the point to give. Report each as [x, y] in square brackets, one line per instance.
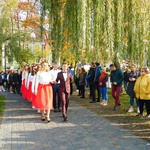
[117, 30]
[106, 30]
[2, 105]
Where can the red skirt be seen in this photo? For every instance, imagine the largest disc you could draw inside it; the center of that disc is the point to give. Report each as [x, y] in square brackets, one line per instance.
[28, 95]
[33, 99]
[22, 86]
[44, 97]
[23, 89]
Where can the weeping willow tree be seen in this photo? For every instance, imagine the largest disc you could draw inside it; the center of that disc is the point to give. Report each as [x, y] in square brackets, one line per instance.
[93, 30]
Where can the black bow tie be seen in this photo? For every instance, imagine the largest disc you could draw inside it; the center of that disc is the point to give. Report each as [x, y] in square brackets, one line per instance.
[64, 72]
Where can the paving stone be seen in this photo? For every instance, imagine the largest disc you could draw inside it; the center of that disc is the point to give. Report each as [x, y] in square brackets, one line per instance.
[22, 129]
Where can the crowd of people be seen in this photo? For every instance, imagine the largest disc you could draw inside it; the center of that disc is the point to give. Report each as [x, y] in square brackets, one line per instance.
[50, 87]
[99, 79]
[45, 87]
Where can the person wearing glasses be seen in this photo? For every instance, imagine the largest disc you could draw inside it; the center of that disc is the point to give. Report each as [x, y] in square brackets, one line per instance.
[142, 91]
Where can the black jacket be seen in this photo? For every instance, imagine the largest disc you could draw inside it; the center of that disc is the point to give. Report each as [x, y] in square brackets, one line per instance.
[131, 84]
[82, 78]
[91, 76]
[10, 78]
[15, 78]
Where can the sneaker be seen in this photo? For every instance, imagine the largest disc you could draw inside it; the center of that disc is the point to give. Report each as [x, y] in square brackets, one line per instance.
[138, 110]
[139, 115]
[102, 102]
[105, 103]
[115, 108]
[131, 110]
[82, 97]
[38, 111]
[119, 104]
[92, 101]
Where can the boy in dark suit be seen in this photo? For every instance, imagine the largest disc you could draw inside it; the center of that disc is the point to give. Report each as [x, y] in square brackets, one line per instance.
[65, 79]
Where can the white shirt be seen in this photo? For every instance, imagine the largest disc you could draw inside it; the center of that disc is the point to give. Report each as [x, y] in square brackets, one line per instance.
[25, 76]
[65, 75]
[42, 78]
[8, 77]
[33, 83]
[30, 79]
[54, 73]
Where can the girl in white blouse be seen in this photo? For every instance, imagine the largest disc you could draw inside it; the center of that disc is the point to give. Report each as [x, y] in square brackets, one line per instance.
[43, 91]
[28, 95]
[24, 81]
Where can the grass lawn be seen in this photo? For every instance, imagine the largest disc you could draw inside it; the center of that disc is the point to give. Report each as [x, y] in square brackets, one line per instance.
[139, 126]
[2, 105]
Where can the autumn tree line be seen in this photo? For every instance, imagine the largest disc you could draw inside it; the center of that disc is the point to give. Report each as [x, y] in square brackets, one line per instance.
[86, 30]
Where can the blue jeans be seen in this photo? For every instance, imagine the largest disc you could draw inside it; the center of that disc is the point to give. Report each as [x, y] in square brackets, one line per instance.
[103, 91]
[132, 101]
[126, 85]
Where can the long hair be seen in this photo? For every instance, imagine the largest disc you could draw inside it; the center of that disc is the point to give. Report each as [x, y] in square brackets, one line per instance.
[46, 69]
[102, 76]
[82, 72]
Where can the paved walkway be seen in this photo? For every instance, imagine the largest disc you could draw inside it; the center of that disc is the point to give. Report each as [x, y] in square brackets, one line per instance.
[22, 129]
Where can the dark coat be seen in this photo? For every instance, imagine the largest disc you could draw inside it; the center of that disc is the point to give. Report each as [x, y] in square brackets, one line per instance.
[10, 78]
[126, 76]
[130, 88]
[98, 71]
[15, 78]
[0, 78]
[76, 80]
[82, 78]
[64, 85]
[117, 76]
[91, 76]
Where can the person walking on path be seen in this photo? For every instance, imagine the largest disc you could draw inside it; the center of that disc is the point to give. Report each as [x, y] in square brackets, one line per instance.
[15, 81]
[133, 75]
[23, 89]
[53, 74]
[29, 84]
[10, 81]
[3, 80]
[43, 91]
[116, 78]
[35, 70]
[103, 78]
[65, 79]
[142, 91]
